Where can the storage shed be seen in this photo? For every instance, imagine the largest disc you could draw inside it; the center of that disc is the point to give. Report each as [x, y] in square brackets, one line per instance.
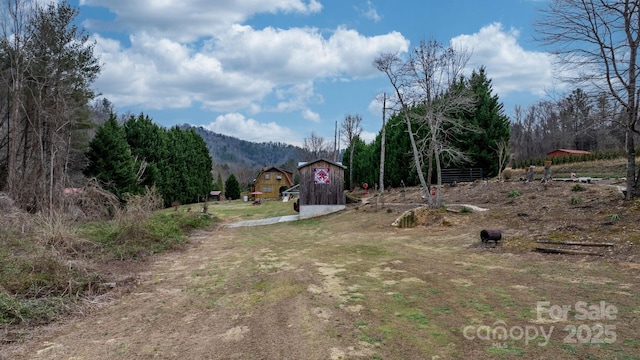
[321, 188]
[566, 152]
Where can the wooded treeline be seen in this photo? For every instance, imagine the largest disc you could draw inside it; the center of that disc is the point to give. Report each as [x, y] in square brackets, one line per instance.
[46, 71]
[579, 121]
[245, 159]
[485, 125]
[48, 123]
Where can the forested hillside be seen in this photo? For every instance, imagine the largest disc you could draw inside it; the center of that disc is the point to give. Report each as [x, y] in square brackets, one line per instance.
[245, 158]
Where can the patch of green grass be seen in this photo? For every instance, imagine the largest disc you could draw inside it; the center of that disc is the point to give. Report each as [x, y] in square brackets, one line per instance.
[370, 340]
[578, 187]
[237, 210]
[367, 250]
[575, 200]
[399, 298]
[484, 308]
[632, 342]
[506, 350]
[438, 310]
[32, 311]
[514, 193]
[568, 348]
[313, 222]
[355, 297]
[135, 240]
[12, 310]
[614, 217]
[526, 313]
[466, 210]
[361, 323]
[416, 316]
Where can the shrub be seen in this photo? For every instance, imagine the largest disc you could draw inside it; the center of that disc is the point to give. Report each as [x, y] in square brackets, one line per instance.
[578, 187]
[136, 240]
[514, 193]
[507, 174]
[614, 217]
[575, 200]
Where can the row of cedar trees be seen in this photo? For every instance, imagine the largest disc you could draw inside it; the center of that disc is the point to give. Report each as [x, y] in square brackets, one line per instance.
[139, 154]
[488, 123]
[46, 120]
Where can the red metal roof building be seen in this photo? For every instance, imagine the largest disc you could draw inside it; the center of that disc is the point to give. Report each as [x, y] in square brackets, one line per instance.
[567, 152]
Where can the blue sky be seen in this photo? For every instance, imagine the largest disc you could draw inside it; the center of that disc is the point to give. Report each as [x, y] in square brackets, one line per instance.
[276, 70]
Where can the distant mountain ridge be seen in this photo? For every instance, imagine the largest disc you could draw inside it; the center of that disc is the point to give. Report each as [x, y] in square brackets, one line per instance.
[234, 152]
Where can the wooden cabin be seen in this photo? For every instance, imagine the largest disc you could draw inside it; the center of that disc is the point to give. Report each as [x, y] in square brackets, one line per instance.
[270, 180]
[321, 188]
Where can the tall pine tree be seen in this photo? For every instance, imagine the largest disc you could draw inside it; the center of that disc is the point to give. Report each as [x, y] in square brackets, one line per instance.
[488, 117]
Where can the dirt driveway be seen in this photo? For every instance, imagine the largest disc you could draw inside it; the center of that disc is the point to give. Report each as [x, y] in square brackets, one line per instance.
[350, 286]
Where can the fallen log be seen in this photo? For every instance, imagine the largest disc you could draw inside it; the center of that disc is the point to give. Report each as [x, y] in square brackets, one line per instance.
[565, 251]
[574, 243]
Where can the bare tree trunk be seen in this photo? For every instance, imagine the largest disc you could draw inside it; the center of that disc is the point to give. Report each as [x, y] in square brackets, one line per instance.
[351, 152]
[438, 201]
[14, 33]
[382, 142]
[416, 158]
[335, 143]
[631, 181]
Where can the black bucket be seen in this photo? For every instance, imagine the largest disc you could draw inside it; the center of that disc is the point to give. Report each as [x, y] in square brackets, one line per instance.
[490, 235]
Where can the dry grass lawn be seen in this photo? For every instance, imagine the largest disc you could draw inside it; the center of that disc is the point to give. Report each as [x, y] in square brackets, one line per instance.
[351, 286]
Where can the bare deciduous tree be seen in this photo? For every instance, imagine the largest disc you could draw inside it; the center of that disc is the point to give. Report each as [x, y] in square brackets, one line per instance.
[427, 96]
[316, 146]
[502, 149]
[383, 140]
[49, 68]
[597, 42]
[15, 18]
[350, 131]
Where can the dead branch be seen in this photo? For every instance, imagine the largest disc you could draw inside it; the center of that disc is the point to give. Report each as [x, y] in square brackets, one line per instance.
[574, 243]
[565, 251]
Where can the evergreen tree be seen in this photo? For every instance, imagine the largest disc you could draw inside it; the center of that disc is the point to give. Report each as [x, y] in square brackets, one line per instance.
[148, 145]
[219, 184]
[111, 161]
[232, 188]
[188, 171]
[398, 168]
[489, 119]
[200, 164]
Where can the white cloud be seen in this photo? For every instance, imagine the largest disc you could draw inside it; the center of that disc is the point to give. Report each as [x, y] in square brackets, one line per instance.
[375, 106]
[303, 54]
[160, 74]
[237, 125]
[189, 20]
[367, 136]
[200, 53]
[510, 67]
[370, 12]
[311, 116]
[237, 71]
